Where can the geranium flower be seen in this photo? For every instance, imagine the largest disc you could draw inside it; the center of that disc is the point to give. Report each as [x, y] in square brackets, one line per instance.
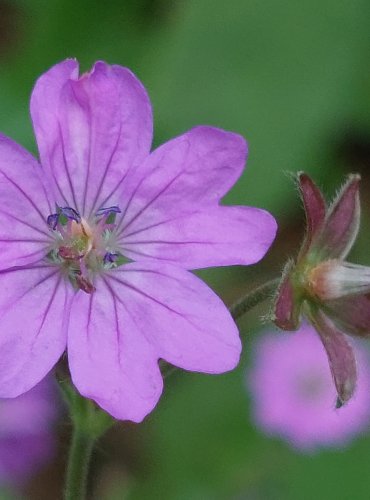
[293, 395]
[96, 243]
[26, 436]
[332, 293]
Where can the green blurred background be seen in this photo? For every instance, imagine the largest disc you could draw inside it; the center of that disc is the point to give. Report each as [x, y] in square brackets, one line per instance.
[293, 78]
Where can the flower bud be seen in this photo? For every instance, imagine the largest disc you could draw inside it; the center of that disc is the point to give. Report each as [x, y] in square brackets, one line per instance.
[333, 279]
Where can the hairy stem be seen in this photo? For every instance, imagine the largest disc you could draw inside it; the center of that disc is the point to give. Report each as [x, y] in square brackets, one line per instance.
[78, 464]
[253, 298]
[89, 423]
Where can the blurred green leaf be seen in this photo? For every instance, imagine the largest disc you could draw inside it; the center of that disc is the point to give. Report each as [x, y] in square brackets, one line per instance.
[284, 74]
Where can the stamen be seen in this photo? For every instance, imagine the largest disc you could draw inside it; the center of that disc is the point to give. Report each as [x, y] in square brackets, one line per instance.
[108, 210]
[110, 257]
[70, 213]
[52, 221]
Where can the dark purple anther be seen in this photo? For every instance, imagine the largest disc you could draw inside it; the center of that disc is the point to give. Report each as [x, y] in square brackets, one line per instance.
[70, 213]
[108, 211]
[52, 221]
[110, 257]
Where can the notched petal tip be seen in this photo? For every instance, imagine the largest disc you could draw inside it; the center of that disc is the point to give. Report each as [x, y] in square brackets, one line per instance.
[222, 139]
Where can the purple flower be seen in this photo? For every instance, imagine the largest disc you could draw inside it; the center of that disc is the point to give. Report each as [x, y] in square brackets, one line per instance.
[333, 294]
[293, 395]
[96, 243]
[26, 439]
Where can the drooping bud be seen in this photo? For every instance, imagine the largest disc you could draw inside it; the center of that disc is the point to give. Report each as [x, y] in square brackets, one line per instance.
[332, 293]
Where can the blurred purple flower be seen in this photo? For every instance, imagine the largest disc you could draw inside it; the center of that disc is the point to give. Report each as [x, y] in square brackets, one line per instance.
[70, 229]
[293, 395]
[27, 441]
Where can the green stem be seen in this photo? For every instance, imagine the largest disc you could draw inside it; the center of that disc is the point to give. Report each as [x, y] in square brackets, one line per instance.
[89, 423]
[78, 464]
[253, 298]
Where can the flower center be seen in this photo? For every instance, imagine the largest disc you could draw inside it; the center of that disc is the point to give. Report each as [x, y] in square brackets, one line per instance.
[84, 247]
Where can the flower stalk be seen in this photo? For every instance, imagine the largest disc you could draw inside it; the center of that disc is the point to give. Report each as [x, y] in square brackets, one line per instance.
[78, 464]
[89, 424]
[253, 298]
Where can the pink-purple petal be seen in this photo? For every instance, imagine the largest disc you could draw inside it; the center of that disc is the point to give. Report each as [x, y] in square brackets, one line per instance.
[110, 358]
[183, 319]
[33, 312]
[44, 107]
[24, 207]
[218, 236]
[90, 131]
[189, 173]
[138, 314]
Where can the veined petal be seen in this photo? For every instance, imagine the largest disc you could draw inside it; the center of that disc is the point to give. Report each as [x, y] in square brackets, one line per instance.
[189, 173]
[24, 207]
[340, 354]
[138, 314]
[33, 308]
[111, 361]
[351, 314]
[181, 317]
[219, 236]
[342, 222]
[44, 107]
[90, 131]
